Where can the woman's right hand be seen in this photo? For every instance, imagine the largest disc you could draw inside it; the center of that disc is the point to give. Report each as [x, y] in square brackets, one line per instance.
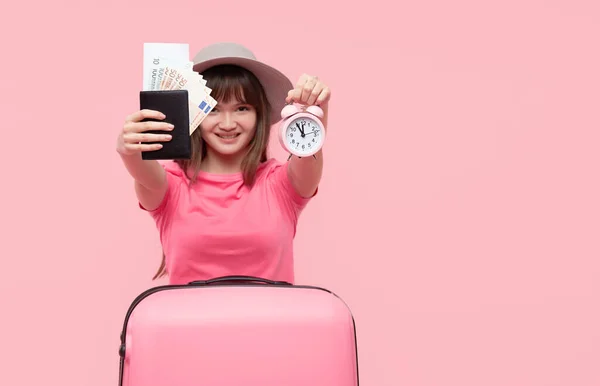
[134, 137]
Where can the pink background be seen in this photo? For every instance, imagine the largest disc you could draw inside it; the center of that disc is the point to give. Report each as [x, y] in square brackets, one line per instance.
[459, 212]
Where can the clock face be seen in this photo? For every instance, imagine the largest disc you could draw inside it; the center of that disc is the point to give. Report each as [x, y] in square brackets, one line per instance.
[303, 135]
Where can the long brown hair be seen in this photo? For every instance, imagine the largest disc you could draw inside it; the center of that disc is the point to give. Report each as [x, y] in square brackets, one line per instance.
[231, 82]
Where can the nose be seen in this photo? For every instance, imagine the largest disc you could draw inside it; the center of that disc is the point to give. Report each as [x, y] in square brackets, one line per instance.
[227, 122]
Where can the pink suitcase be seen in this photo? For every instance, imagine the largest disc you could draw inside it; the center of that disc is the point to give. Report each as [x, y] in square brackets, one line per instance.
[238, 331]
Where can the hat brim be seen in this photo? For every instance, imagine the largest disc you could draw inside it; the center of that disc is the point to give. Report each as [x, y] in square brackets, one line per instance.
[275, 83]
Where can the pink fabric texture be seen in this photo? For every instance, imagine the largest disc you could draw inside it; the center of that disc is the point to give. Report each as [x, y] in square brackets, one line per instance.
[219, 226]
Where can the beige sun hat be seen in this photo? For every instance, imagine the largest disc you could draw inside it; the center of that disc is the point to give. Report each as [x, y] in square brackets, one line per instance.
[275, 83]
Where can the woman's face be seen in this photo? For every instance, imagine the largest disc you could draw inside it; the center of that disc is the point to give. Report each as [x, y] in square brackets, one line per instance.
[229, 127]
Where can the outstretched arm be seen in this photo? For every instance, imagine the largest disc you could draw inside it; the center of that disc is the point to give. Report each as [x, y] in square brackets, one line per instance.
[149, 176]
[305, 173]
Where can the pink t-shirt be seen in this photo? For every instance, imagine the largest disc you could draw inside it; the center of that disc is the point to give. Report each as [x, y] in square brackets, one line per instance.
[218, 226]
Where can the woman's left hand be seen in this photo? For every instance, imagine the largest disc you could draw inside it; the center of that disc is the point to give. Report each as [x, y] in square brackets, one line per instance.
[309, 90]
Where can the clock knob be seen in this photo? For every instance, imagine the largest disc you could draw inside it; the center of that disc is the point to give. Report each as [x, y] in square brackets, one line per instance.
[315, 110]
[289, 110]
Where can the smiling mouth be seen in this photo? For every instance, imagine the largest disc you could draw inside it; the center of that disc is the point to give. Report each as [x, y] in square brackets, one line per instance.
[228, 136]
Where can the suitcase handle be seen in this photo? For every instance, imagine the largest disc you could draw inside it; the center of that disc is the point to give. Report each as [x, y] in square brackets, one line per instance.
[245, 279]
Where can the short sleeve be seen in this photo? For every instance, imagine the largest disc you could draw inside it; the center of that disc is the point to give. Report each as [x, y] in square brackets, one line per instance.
[285, 192]
[163, 212]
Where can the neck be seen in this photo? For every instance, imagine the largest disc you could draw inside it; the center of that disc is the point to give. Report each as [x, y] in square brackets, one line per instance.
[219, 164]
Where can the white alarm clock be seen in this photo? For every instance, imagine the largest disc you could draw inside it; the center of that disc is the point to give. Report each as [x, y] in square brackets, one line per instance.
[301, 132]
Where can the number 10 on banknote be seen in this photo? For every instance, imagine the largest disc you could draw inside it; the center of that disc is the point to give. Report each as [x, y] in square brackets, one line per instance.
[167, 67]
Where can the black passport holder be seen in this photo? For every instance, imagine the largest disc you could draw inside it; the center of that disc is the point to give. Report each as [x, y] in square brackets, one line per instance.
[174, 105]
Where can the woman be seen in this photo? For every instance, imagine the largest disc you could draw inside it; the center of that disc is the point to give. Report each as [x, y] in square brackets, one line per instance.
[230, 210]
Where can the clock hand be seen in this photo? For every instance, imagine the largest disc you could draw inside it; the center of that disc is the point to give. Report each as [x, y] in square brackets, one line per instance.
[301, 130]
[302, 127]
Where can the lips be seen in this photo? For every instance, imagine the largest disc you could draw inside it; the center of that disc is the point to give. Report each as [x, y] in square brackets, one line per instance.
[228, 136]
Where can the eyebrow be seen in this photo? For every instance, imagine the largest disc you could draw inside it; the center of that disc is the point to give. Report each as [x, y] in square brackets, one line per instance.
[234, 104]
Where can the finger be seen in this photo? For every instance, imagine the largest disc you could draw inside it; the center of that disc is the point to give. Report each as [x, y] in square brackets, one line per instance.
[324, 96]
[316, 91]
[143, 147]
[307, 89]
[138, 127]
[302, 80]
[290, 96]
[295, 94]
[144, 114]
[135, 138]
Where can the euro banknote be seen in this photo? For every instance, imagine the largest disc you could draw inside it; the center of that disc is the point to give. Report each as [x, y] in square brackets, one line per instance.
[167, 67]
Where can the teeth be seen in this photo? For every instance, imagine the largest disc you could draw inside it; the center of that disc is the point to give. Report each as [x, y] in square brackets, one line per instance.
[227, 136]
